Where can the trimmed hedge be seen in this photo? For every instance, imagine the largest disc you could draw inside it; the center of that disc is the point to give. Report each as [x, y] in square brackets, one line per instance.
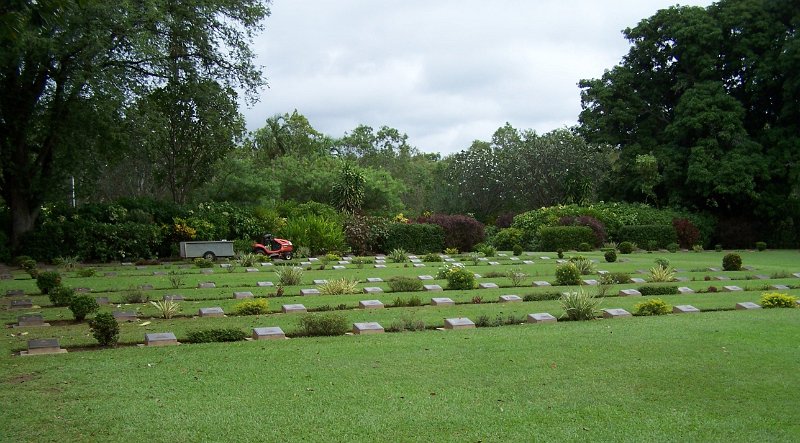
[659, 290]
[460, 231]
[564, 237]
[642, 235]
[420, 238]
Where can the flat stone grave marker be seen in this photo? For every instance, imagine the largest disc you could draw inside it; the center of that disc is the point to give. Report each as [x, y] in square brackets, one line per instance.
[239, 295]
[370, 304]
[125, 315]
[380, 262]
[185, 266]
[287, 309]
[101, 300]
[270, 333]
[41, 346]
[616, 313]
[713, 269]
[174, 297]
[206, 271]
[83, 290]
[442, 301]
[602, 272]
[6, 277]
[160, 339]
[215, 311]
[747, 305]
[444, 256]
[425, 277]
[561, 261]
[380, 266]
[265, 284]
[483, 259]
[450, 260]
[748, 268]
[305, 263]
[159, 273]
[502, 254]
[629, 293]
[779, 287]
[527, 262]
[338, 268]
[721, 278]
[682, 279]
[509, 299]
[642, 271]
[488, 285]
[251, 270]
[320, 282]
[21, 304]
[796, 274]
[126, 263]
[544, 257]
[542, 317]
[139, 268]
[477, 275]
[367, 328]
[411, 257]
[146, 287]
[731, 288]
[225, 265]
[266, 263]
[415, 260]
[374, 279]
[590, 282]
[110, 274]
[638, 280]
[372, 290]
[312, 291]
[380, 257]
[685, 290]
[432, 288]
[31, 320]
[458, 323]
[493, 263]
[15, 292]
[684, 309]
[541, 283]
[419, 265]
[514, 258]
[761, 277]
[206, 285]
[343, 262]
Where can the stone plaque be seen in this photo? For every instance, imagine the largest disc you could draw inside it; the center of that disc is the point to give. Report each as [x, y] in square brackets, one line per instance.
[483, 259]
[540, 283]
[544, 258]
[138, 268]
[450, 260]
[685, 290]
[415, 260]
[616, 313]
[748, 268]
[344, 262]
[265, 284]
[215, 311]
[561, 261]
[527, 262]
[642, 271]
[502, 254]
[266, 263]
[684, 309]
[311, 291]
[602, 272]
[747, 305]
[419, 265]
[372, 290]
[239, 295]
[124, 315]
[251, 270]
[159, 273]
[160, 339]
[494, 263]
[101, 300]
[488, 285]
[779, 287]
[509, 299]
[338, 268]
[796, 274]
[110, 274]
[225, 265]
[146, 287]
[477, 275]
[380, 262]
[367, 328]
[638, 280]
[207, 285]
[271, 333]
[44, 346]
[411, 257]
[174, 297]
[320, 282]
[515, 258]
[425, 277]
[126, 263]
[713, 269]
[380, 266]
[432, 288]
[731, 288]
[370, 304]
[761, 277]
[31, 320]
[6, 277]
[287, 309]
[206, 271]
[590, 282]
[629, 293]
[458, 323]
[380, 257]
[542, 317]
[374, 279]
[721, 278]
[21, 304]
[313, 259]
[15, 292]
[442, 301]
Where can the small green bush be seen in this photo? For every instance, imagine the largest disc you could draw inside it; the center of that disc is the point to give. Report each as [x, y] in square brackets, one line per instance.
[659, 235]
[516, 276]
[61, 296]
[584, 247]
[47, 281]
[626, 247]
[761, 246]
[585, 266]
[406, 324]
[654, 306]
[610, 256]
[167, 308]
[541, 296]
[672, 247]
[659, 290]
[777, 300]
[615, 278]
[517, 249]
[412, 301]
[203, 263]
[432, 257]
[420, 238]
[134, 295]
[405, 284]
[105, 329]
[560, 253]
[86, 272]
[398, 255]
[29, 265]
[290, 275]
[460, 278]
[732, 262]
[486, 250]
[660, 274]
[215, 335]
[340, 286]
[564, 237]
[451, 251]
[697, 248]
[579, 305]
[256, 306]
[320, 325]
[567, 274]
[83, 305]
[718, 248]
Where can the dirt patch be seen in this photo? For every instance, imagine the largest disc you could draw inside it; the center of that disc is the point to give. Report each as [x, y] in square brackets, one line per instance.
[22, 378]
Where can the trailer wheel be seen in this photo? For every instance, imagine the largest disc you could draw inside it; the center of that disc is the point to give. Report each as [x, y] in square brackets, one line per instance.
[287, 256]
[259, 251]
[208, 255]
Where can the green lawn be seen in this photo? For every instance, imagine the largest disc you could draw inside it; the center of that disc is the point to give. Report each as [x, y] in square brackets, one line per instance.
[721, 375]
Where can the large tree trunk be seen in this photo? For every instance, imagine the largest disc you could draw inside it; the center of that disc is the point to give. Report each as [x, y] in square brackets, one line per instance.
[23, 216]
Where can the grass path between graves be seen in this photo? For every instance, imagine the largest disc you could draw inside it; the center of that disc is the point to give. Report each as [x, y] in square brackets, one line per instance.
[718, 376]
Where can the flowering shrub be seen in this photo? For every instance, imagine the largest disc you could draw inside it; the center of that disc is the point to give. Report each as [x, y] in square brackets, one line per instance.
[459, 278]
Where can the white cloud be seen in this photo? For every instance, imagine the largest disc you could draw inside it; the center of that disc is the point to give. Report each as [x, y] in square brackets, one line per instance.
[444, 72]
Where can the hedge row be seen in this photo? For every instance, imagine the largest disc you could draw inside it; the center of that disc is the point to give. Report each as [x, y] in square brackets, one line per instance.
[420, 238]
[565, 237]
[648, 236]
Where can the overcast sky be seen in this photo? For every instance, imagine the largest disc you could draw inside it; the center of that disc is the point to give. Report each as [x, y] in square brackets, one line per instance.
[444, 72]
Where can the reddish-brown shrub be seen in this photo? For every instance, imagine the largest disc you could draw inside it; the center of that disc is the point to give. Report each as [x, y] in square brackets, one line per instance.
[687, 232]
[460, 231]
[597, 227]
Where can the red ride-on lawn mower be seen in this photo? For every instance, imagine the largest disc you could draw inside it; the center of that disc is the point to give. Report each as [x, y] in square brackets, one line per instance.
[274, 248]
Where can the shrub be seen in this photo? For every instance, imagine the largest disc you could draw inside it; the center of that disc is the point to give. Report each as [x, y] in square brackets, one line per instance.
[662, 262]
[405, 284]
[476, 300]
[652, 245]
[215, 335]
[340, 286]
[697, 248]
[475, 258]
[29, 265]
[686, 232]
[82, 305]
[626, 247]
[248, 259]
[256, 306]
[718, 248]
[585, 266]
[567, 274]
[597, 227]
[366, 234]
[61, 296]
[486, 250]
[505, 239]
[460, 231]
[175, 279]
[540, 296]
[133, 295]
[86, 272]
[610, 256]
[654, 306]
[167, 308]
[203, 263]
[615, 278]
[761, 246]
[318, 233]
[417, 237]
[412, 301]
[459, 278]
[584, 247]
[564, 237]
[47, 281]
[517, 250]
[432, 258]
[406, 324]
[579, 305]
[672, 247]
[732, 262]
[660, 274]
[289, 275]
[777, 300]
[105, 329]
[660, 235]
[659, 290]
[560, 253]
[516, 276]
[328, 324]
[398, 255]
[451, 251]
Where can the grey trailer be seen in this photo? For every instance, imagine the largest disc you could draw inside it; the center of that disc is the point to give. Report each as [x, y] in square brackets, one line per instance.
[209, 250]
